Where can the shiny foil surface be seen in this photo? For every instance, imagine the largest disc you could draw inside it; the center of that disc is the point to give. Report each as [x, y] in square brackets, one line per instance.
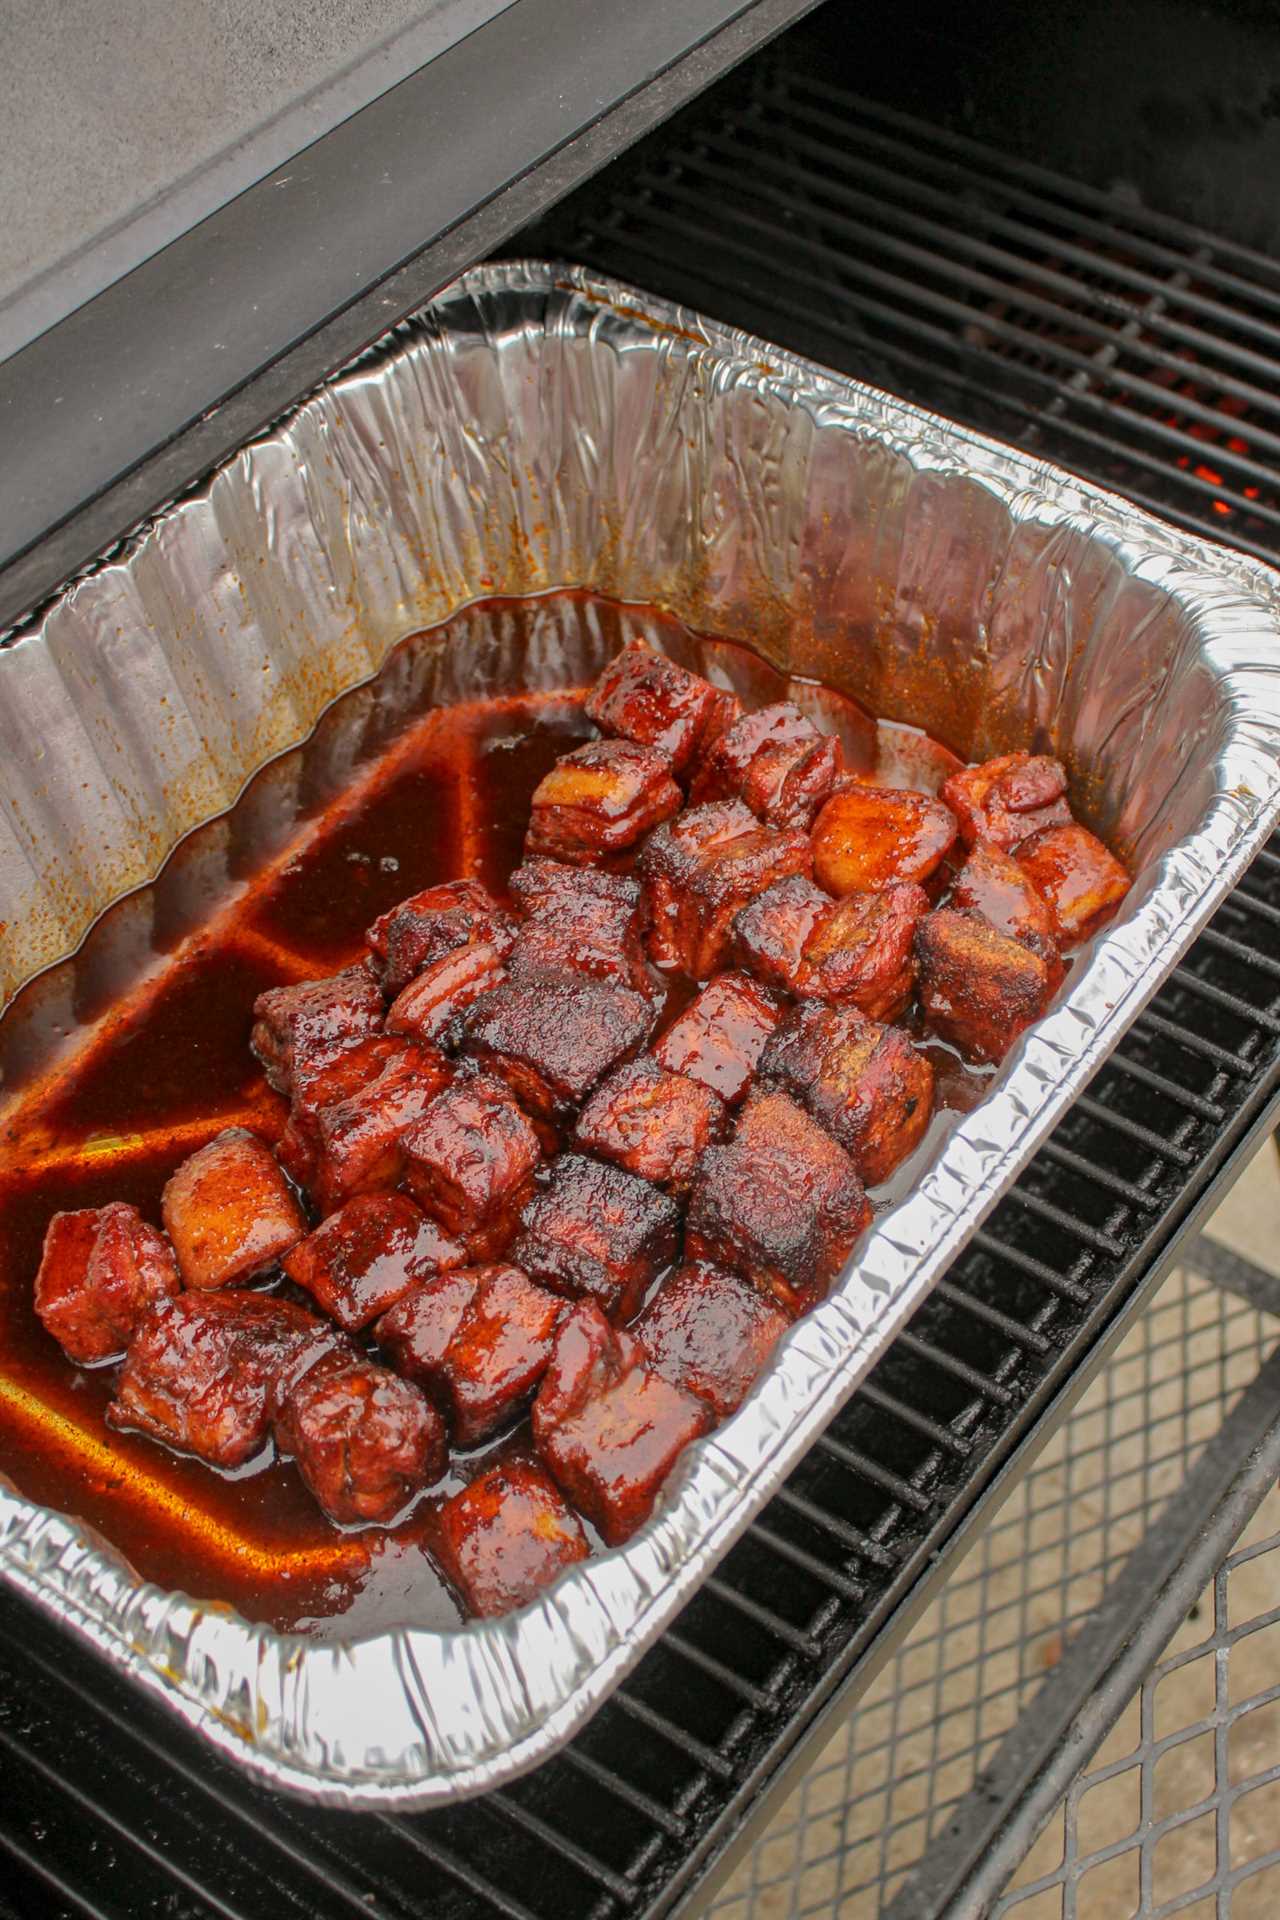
[538, 427]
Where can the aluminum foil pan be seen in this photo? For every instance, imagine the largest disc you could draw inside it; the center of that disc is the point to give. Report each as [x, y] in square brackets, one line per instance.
[538, 427]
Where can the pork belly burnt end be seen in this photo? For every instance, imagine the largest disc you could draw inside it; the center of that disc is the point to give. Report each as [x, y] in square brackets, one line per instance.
[581, 920]
[229, 1211]
[300, 1030]
[299, 1144]
[772, 931]
[364, 1440]
[430, 1008]
[479, 1353]
[1081, 882]
[612, 1434]
[992, 883]
[780, 1204]
[360, 1150]
[776, 761]
[200, 1371]
[653, 1123]
[1004, 800]
[863, 952]
[101, 1268]
[719, 1037]
[599, 800]
[470, 1159]
[429, 925]
[710, 1332]
[863, 1082]
[505, 1537]
[364, 1257]
[598, 1233]
[866, 838]
[551, 1040]
[416, 1332]
[700, 870]
[980, 989]
[649, 699]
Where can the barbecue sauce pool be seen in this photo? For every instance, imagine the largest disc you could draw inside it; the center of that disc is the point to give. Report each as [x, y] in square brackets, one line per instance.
[121, 1061]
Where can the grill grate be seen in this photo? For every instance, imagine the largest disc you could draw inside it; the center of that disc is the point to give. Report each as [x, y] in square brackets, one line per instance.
[1135, 349]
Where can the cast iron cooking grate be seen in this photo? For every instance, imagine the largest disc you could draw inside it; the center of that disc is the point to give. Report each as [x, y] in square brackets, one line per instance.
[1134, 349]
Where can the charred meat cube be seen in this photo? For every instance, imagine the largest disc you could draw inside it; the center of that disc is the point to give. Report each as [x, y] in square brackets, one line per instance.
[649, 699]
[599, 800]
[864, 1083]
[364, 1440]
[992, 883]
[505, 1537]
[551, 1040]
[587, 1356]
[700, 870]
[863, 952]
[719, 1037]
[581, 920]
[323, 1086]
[651, 1122]
[200, 1371]
[360, 1137]
[429, 925]
[780, 1204]
[867, 838]
[613, 1451]
[299, 1030]
[432, 1004]
[470, 1159]
[1080, 881]
[496, 1354]
[598, 1233]
[229, 1211]
[100, 1270]
[710, 1332]
[364, 1257]
[980, 989]
[416, 1332]
[1007, 799]
[772, 931]
[776, 761]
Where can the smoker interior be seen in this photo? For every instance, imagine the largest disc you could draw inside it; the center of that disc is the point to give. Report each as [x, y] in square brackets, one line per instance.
[871, 202]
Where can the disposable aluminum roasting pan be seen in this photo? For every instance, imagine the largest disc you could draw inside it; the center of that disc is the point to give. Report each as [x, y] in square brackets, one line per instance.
[538, 427]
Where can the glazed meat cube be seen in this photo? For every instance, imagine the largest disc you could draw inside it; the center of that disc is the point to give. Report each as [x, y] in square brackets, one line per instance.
[710, 1332]
[863, 952]
[980, 989]
[100, 1270]
[200, 1370]
[416, 1332]
[581, 920]
[470, 1161]
[360, 1150]
[595, 1232]
[992, 883]
[229, 1211]
[322, 1086]
[1081, 882]
[551, 1040]
[776, 761]
[780, 1204]
[864, 1083]
[588, 1356]
[427, 926]
[600, 799]
[368, 1254]
[1005, 800]
[719, 1037]
[505, 1537]
[496, 1355]
[700, 870]
[649, 699]
[771, 933]
[430, 1006]
[866, 838]
[651, 1122]
[303, 1029]
[364, 1440]
[613, 1451]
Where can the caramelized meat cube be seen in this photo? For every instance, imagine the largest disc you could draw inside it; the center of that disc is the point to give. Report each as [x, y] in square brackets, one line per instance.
[652, 1122]
[306, 1027]
[551, 1040]
[596, 1232]
[613, 1451]
[200, 1369]
[427, 926]
[980, 989]
[993, 884]
[600, 799]
[649, 699]
[588, 1356]
[496, 1354]
[1005, 800]
[710, 1332]
[581, 920]
[505, 1537]
[771, 933]
[866, 838]
[436, 998]
[360, 1150]
[1081, 882]
[700, 870]
[369, 1253]
[100, 1270]
[364, 1440]
[780, 1204]
[229, 1211]
[864, 1083]
[322, 1086]
[719, 1037]
[416, 1332]
[863, 951]
[776, 761]
[470, 1161]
